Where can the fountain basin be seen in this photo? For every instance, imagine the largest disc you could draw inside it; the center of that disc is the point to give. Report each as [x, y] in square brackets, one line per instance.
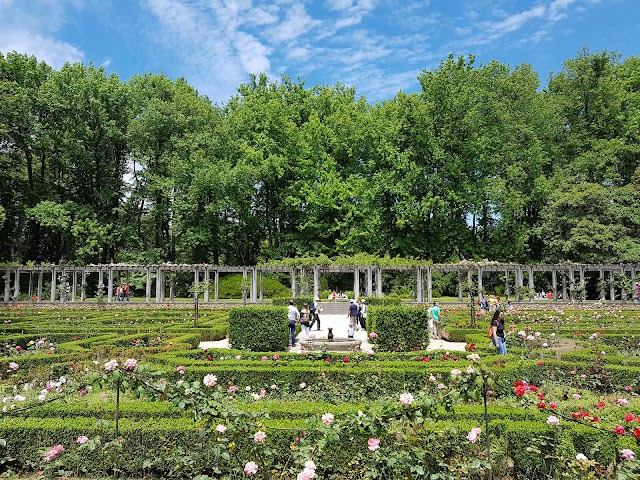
[335, 345]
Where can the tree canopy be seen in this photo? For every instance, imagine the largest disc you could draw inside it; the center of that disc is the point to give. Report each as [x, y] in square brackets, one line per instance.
[481, 163]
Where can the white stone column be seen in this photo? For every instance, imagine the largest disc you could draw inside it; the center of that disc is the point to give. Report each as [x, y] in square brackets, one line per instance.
[16, 285]
[379, 282]
[293, 283]
[147, 290]
[554, 284]
[206, 285]
[216, 281]
[429, 286]
[356, 283]
[7, 285]
[40, 284]
[110, 287]
[159, 286]
[369, 281]
[53, 285]
[74, 285]
[532, 286]
[316, 282]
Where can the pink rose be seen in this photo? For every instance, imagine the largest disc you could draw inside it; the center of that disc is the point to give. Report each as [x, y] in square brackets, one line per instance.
[82, 440]
[628, 454]
[180, 369]
[111, 365]
[276, 357]
[474, 434]
[233, 389]
[260, 436]
[406, 399]
[553, 420]
[373, 444]
[328, 419]
[13, 366]
[209, 380]
[221, 429]
[250, 468]
[130, 364]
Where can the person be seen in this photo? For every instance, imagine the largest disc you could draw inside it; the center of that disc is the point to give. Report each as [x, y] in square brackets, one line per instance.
[305, 321]
[432, 333]
[437, 321]
[118, 293]
[315, 313]
[497, 323]
[362, 314]
[353, 315]
[125, 291]
[334, 296]
[293, 316]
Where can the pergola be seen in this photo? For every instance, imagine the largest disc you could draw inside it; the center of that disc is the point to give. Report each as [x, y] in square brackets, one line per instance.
[69, 282]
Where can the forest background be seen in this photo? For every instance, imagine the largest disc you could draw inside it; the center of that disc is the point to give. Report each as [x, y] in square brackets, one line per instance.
[482, 163]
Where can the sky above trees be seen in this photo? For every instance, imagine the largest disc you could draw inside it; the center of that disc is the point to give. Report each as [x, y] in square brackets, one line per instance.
[380, 47]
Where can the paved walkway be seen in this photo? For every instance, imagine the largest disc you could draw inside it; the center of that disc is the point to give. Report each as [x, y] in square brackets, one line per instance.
[340, 324]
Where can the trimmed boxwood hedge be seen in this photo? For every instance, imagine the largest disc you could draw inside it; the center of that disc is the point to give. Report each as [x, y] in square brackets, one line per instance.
[399, 328]
[259, 328]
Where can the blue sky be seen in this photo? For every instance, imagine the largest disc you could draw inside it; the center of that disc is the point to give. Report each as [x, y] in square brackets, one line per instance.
[379, 46]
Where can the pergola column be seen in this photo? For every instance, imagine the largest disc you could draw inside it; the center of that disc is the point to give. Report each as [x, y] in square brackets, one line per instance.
[7, 285]
[147, 289]
[293, 283]
[53, 285]
[429, 286]
[110, 286]
[520, 283]
[419, 286]
[254, 285]
[40, 283]
[379, 282]
[216, 281]
[582, 287]
[369, 281]
[100, 282]
[16, 285]
[623, 292]
[261, 290]
[634, 284]
[460, 288]
[356, 283]
[172, 286]
[206, 285]
[572, 279]
[30, 290]
[554, 284]
[612, 286]
[602, 291]
[507, 288]
[316, 282]
[532, 286]
[159, 289]
[479, 281]
[196, 282]
[83, 285]
[74, 285]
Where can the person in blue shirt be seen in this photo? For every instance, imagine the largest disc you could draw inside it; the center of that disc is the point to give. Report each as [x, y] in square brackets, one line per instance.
[437, 321]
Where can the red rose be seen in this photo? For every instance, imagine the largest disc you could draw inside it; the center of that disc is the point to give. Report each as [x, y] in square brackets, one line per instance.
[346, 360]
[553, 405]
[619, 430]
[595, 419]
[629, 417]
[519, 390]
[328, 360]
[576, 415]
[636, 432]
[541, 405]
[600, 404]
[539, 363]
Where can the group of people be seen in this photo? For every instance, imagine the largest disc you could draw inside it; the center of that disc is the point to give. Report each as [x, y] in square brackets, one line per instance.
[122, 292]
[357, 316]
[307, 317]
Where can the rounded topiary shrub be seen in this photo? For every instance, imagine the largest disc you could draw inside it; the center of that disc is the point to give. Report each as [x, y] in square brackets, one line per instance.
[400, 328]
[260, 329]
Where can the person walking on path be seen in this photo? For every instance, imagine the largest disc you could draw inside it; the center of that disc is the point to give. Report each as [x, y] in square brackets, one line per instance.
[293, 316]
[315, 309]
[497, 324]
[437, 321]
[362, 314]
[305, 321]
[353, 315]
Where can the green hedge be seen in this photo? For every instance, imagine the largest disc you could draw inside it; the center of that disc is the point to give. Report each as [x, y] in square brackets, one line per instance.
[259, 328]
[399, 328]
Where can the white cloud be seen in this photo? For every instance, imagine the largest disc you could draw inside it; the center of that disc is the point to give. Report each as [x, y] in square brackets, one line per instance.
[516, 21]
[297, 23]
[557, 9]
[47, 49]
[253, 55]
